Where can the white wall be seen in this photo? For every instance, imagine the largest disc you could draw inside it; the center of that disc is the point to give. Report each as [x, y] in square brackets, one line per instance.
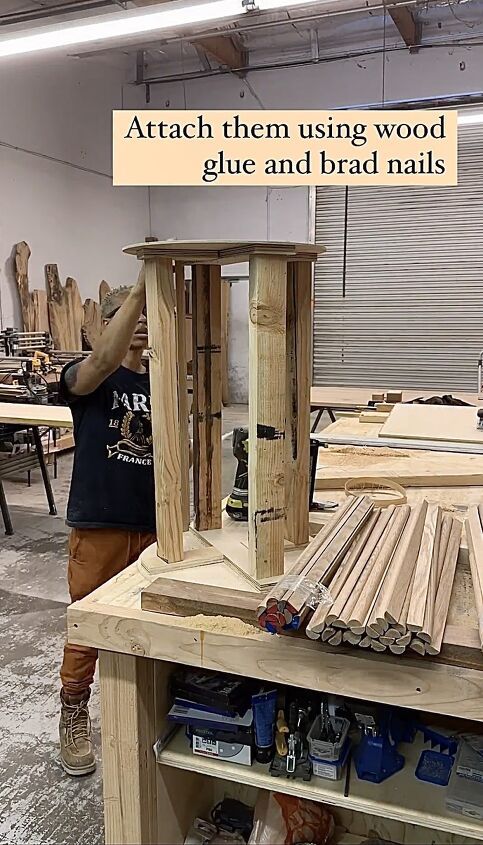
[278, 214]
[62, 109]
[284, 214]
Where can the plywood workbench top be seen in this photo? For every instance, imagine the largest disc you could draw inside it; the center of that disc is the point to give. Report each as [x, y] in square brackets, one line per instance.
[359, 397]
[24, 413]
[409, 467]
[111, 619]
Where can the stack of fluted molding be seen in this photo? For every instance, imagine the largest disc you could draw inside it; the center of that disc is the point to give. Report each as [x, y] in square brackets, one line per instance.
[474, 535]
[390, 586]
[393, 589]
[291, 599]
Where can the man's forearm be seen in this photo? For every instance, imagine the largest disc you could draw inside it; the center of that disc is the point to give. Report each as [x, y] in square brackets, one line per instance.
[111, 348]
[113, 344]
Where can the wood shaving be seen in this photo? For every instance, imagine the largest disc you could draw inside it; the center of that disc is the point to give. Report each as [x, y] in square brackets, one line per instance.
[379, 451]
[218, 625]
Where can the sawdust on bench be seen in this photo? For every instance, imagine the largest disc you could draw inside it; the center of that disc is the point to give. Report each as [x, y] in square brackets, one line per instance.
[219, 625]
[366, 451]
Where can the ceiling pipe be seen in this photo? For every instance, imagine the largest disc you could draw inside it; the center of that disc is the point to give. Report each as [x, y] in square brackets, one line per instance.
[354, 54]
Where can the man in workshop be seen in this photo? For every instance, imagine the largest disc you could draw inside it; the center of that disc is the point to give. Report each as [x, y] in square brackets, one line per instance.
[111, 508]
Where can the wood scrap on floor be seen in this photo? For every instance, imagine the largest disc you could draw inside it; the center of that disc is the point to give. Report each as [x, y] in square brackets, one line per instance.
[184, 598]
[33, 304]
[390, 584]
[66, 313]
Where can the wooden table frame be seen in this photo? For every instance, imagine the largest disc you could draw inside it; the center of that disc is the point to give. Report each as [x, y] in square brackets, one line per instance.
[280, 328]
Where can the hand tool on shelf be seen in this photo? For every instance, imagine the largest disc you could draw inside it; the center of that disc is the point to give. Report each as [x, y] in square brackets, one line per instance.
[328, 734]
[280, 736]
[295, 763]
[376, 757]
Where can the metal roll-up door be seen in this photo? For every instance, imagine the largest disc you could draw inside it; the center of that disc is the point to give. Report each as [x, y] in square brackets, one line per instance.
[412, 314]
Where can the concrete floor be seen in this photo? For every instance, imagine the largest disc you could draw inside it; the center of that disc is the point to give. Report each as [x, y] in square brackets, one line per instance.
[39, 804]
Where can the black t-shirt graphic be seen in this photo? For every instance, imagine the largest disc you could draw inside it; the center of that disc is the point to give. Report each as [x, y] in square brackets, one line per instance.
[112, 479]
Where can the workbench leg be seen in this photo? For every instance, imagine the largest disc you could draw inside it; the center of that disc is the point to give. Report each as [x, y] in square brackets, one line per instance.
[161, 308]
[128, 726]
[207, 388]
[5, 511]
[183, 392]
[145, 803]
[299, 348]
[43, 469]
[317, 420]
[267, 381]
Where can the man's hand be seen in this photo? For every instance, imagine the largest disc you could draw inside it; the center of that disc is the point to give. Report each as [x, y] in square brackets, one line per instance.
[127, 327]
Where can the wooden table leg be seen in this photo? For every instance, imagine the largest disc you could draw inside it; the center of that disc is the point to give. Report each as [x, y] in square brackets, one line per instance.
[183, 392]
[128, 724]
[299, 371]
[161, 306]
[207, 405]
[266, 450]
[225, 316]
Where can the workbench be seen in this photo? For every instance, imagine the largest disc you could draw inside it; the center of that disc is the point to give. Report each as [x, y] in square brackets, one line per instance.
[29, 415]
[149, 802]
[150, 799]
[332, 399]
[349, 455]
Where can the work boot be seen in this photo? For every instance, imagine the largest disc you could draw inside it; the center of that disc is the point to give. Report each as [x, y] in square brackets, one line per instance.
[76, 754]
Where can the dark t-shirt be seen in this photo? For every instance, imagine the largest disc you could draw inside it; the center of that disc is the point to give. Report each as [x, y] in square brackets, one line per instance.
[112, 478]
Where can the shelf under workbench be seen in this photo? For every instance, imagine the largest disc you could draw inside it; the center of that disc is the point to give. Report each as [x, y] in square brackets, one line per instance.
[402, 797]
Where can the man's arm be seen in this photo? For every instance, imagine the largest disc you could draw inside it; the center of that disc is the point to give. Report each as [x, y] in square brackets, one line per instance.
[112, 346]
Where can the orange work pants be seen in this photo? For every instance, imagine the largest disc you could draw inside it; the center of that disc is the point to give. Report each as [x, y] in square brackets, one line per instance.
[95, 556]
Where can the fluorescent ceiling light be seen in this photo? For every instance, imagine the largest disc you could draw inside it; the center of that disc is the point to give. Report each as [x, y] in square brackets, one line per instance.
[134, 23]
[268, 5]
[128, 23]
[470, 117]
